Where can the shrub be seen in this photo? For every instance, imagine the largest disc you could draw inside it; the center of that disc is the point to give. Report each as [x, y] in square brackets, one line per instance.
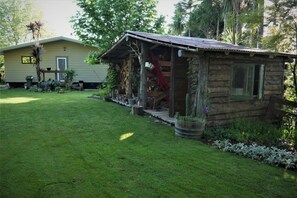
[69, 77]
[270, 155]
[247, 132]
[104, 93]
[49, 85]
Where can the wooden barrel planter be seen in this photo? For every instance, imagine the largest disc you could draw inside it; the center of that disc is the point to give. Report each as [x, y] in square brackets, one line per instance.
[192, 129]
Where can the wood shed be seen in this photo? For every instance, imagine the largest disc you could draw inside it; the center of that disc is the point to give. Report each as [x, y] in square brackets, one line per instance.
[223, 81]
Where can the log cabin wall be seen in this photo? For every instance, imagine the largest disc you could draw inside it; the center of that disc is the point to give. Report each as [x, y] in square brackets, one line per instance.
[223, 110]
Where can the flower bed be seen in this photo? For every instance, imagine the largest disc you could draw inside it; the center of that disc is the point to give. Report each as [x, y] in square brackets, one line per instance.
[270, 155]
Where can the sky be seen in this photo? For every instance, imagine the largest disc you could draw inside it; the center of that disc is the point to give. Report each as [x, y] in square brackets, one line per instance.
[57, 13]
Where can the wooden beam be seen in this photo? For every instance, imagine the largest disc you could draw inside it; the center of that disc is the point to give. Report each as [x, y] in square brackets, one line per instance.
[154, 46]
[142, 88]
[172, 83]
[202, 85]
[130, 73]
[188, 54]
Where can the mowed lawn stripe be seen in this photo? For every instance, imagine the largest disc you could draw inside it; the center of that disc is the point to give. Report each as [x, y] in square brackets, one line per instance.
[68, 145]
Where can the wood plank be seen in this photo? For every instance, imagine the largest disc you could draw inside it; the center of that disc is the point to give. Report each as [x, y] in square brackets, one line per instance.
[219, 66]
[143, 77]
[216, 83]
[218, 89]
[273, 78]
[273, 87]
[219, 100]
[220, 123]
[273, 82]
[234, 56]
[236, 115]
[233, 107]
[165, 63]
[283, 101]
[218, 94]
[166, 74]
[221, 72]
[274, 73]
[274, 68]
[218, 76]
[202, 85]
[272, 92]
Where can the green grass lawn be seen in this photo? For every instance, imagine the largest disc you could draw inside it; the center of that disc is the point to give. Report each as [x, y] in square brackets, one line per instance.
[67, 145]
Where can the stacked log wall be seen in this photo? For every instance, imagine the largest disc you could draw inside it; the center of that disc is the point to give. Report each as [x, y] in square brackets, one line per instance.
[124, 76]
[223, 110]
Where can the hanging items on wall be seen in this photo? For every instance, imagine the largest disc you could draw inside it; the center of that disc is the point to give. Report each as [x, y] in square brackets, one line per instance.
[149, 65]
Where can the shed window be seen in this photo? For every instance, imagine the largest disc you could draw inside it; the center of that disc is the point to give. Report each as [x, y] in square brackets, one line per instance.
[28, 60]
[247, 82]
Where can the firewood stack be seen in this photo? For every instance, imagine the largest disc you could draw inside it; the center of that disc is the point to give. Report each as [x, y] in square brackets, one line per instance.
[124, 75]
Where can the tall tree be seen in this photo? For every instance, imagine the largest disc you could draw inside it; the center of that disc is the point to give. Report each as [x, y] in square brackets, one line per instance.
[206, 19]
[281, 20]
[182, 14]
[232, 11]
[179, 20]
[252, 19]
[14, 15]
[35, 29]
[101, 22]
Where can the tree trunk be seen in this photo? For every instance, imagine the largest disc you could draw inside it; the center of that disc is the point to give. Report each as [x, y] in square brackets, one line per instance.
[218, 29]
[260, 30]
[236, 28]
[201, 94]
[38, 73]
[295, 77]
[130, 73]
[142, 88]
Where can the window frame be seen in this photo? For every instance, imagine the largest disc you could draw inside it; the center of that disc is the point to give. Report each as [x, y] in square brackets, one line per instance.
[32, 60]
[249, 84]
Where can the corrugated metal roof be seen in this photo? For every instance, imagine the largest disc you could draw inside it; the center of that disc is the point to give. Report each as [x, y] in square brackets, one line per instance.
[186, 43]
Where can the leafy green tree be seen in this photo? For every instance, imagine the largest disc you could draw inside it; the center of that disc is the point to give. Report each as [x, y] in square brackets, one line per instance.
[179, 21]
[291, 82]
[101, 22]
[252, 18]
[2, 69]
[14, 15]
[35, 29]
[282, 23]
[206, 19]
[232, 10]
[182, 15]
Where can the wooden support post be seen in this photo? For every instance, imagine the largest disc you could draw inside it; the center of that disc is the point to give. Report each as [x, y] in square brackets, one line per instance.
[172, 83]
[202, 85]
[137, 110]
[189, 54]
[130, 73]
[142, 87]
